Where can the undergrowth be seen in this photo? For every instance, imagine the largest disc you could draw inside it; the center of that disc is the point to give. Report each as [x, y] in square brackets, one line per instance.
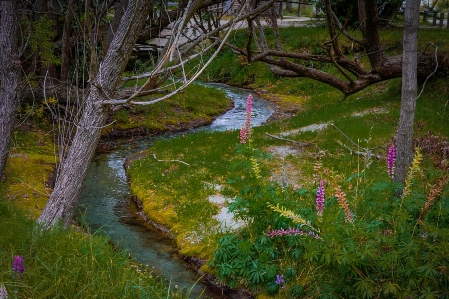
[66, 263]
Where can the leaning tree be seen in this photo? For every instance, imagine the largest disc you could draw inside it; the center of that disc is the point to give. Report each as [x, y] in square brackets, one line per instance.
[192, 34]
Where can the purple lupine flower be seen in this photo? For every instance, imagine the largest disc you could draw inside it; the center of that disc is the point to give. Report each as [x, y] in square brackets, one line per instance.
[290, 231]
[245, 132]
[3, 292]
[391, 160]
[319, 202]
[280, 280]
[18, 266]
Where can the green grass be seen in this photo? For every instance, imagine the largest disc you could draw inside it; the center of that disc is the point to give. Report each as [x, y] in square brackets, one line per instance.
[369, 118]
[66, 263]
[231, 69]
[197, 103]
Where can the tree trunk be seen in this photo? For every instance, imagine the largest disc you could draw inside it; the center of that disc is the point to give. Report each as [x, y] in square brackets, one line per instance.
[404, 144]
[64, 198]
[9, 75]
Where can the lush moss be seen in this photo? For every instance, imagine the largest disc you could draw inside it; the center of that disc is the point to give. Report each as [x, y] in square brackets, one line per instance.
[30, 162]
[196, 103]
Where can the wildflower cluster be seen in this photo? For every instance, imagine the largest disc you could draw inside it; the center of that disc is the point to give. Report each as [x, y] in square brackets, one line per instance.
[245, 132]
[391, 160]
[319, 202]
[18, 266]
[280, 281]
[291, 231]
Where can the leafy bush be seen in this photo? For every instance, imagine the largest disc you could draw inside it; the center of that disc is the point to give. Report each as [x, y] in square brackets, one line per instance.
[388, 244]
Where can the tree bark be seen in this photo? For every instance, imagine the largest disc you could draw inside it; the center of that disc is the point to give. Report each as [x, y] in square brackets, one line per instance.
[404, 144]
[9, 75]
[64, 198]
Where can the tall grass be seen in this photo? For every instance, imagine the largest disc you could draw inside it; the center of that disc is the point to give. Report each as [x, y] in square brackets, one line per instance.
[68, 263]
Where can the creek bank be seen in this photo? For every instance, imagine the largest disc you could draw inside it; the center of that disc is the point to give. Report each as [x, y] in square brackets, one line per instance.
[195, 263]
[107, 143]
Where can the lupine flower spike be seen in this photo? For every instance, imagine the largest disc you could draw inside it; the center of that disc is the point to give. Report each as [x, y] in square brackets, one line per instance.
[414, 168]
[256, 168]
[319, 202]
[3, 292]
[294, 217]
[245, 132]
[18, 266]
[341, 197]
[391, 160]
[280, 281]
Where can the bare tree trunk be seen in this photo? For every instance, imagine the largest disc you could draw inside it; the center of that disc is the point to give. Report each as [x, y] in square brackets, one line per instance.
[404, 144]
[9, 74]
[64, 198]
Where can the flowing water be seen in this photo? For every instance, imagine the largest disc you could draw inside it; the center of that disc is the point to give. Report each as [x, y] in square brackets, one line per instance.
[105, 204]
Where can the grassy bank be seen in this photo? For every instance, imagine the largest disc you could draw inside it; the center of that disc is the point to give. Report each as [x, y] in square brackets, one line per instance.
[72, 263]
[68, 264]
[62, 263]
[197, 104]
[271, 185]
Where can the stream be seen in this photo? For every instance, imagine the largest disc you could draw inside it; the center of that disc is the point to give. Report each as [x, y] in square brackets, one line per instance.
[105, 204]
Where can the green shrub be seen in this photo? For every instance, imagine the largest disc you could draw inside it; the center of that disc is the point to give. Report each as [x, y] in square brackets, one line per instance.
[379, 245]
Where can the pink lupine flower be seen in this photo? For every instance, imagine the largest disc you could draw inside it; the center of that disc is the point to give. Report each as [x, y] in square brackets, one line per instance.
[391, 160]
[341, 198]
[245, 132]
[243, 135]
[319, 202]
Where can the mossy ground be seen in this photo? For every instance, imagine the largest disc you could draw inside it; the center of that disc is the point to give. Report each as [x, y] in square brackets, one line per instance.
[30, 163]
[197, 103]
